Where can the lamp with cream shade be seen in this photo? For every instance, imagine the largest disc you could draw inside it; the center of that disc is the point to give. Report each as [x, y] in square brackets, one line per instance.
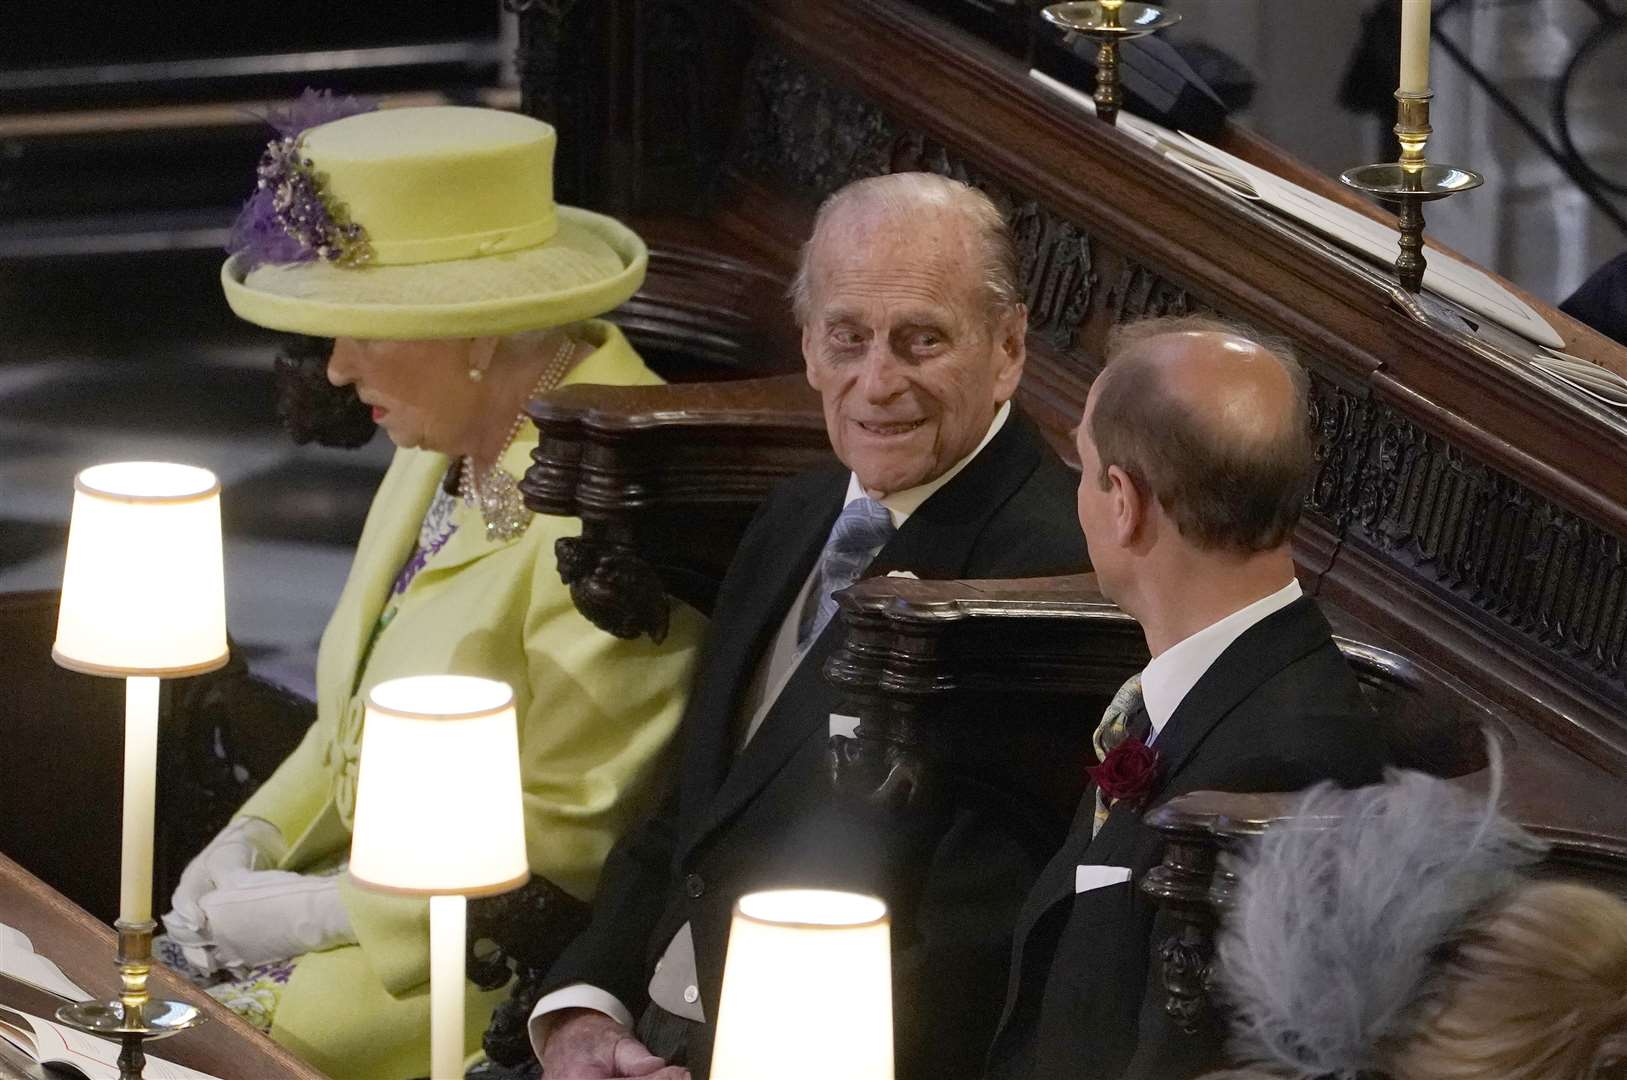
[143, 597]
[807, 989]
[439, 814]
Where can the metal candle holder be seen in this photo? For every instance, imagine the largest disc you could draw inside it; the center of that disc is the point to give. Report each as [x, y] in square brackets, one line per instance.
[1110, 22]
[134, 1017]
[1412, 181]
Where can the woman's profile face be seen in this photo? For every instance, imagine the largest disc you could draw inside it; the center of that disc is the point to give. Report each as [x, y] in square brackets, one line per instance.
[419, 391]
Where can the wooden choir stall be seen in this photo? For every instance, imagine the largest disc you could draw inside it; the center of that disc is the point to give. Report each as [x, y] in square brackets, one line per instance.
[1467, 528]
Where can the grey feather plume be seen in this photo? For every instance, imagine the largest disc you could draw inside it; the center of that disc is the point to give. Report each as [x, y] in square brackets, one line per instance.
[1328, 949]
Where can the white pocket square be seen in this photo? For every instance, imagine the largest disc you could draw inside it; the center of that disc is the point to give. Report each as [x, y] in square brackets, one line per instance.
[902, 573]
[1086, 878]
[844, 725]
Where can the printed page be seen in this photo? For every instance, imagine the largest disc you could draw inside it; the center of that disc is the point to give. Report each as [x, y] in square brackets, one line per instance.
[19, 961]
[98, 1059]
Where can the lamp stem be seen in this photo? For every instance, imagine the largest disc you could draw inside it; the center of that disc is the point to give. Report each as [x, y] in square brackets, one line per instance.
[447, 927]
[140, 776]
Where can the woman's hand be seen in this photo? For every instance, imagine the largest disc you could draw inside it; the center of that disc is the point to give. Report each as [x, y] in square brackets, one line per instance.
[244, 846]
[267, 915]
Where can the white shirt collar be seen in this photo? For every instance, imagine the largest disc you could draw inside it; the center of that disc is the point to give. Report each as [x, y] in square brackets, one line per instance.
[1172, 674]
[901, 504]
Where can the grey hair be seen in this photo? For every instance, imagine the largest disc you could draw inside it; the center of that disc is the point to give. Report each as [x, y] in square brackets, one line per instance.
[910, 192]
[1341, 908]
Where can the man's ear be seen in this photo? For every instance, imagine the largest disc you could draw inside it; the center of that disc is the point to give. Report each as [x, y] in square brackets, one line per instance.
[1129, 506]
[1011, 351]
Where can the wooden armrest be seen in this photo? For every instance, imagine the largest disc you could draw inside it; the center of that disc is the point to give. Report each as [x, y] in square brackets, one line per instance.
[1003, 680]
[665, 480]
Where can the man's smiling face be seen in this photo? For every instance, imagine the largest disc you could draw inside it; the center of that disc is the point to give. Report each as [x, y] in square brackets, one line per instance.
[901, 343]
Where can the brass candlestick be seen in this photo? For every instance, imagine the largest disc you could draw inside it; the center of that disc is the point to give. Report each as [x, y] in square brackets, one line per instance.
[134, 1017]
[1412, 181]
[1109, 22]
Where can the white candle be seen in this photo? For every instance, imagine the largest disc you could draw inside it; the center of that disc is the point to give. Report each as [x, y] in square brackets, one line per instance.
[1414, 46]
[447, 918]
[140, 773]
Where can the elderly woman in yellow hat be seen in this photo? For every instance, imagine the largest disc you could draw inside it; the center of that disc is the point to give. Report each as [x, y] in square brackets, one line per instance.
[427, 243]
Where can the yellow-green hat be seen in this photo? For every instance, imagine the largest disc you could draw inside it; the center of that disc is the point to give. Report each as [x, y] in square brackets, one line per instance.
[424, 223]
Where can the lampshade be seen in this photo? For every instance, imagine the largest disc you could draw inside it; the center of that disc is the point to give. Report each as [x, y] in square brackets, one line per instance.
[143, 590]
[807, 989]
[438, 806]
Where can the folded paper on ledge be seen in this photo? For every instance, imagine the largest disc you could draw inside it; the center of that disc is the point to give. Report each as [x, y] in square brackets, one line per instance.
[1467, 285]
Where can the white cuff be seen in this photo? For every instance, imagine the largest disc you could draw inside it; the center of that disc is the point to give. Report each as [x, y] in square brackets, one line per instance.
[575, 996]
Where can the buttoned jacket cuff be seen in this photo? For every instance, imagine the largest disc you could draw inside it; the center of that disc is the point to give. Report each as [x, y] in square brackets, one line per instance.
[574, 996]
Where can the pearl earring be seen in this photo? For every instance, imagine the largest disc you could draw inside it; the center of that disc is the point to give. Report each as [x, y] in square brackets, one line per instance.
[475, 374]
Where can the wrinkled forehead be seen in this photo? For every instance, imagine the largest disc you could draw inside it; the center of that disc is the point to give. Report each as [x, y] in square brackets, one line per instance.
[924, 254]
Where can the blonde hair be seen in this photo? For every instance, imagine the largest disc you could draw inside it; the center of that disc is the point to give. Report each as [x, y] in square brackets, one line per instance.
[1537, 990]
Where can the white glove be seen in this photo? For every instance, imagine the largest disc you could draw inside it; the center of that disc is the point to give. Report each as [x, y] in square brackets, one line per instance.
[245, 845]
[271, 915]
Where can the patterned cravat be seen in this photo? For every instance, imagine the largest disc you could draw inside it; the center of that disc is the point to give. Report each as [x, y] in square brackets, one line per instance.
[1113, 730]
[861, 530]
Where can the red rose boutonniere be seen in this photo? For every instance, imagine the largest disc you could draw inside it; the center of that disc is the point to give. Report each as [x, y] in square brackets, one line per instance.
[1129, 771]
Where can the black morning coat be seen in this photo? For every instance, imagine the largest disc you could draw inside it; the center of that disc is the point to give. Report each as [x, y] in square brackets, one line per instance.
[765, 817]
[1279, 710]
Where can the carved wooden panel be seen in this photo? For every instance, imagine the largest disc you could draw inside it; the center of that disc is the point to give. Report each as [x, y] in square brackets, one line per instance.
[806, 131]
[1558, 580]
[1508, 555]
[1341, 418]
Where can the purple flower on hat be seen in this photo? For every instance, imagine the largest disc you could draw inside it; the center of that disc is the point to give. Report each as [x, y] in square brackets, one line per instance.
[290, 218]
[313, 108]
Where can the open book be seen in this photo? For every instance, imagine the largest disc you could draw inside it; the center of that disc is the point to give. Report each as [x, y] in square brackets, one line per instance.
[74, 1054]
[19, 961]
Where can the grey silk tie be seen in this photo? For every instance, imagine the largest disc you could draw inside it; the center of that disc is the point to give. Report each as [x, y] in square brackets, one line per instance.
[861, 530]
[1113, 729]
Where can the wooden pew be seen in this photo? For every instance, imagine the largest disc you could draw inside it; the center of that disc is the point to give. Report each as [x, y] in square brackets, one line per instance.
[1466, 523]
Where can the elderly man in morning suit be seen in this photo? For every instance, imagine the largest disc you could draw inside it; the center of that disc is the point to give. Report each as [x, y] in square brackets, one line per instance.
[913, 334]
[1196, 455]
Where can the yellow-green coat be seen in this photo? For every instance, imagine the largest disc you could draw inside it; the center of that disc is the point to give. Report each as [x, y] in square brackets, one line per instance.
[596, 714]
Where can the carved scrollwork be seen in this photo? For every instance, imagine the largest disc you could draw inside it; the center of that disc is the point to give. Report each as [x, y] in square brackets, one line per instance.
[1544, 572]
[1341, 421]
[886, 774]
[1186, 971]
[802, 129]
[518, 935]
[616, 589]
[1058, 277]
[1141, 293]
[819, 136]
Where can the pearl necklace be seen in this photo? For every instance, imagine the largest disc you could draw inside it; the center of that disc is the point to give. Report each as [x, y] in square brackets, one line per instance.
[497, 494]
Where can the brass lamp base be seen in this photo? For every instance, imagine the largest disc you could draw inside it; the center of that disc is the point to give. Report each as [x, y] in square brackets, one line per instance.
[1109, 22]
[1411, 181]
[133, 1018]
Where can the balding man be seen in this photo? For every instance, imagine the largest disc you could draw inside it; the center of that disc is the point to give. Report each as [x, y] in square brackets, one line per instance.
[913, 334]
[1196, 455]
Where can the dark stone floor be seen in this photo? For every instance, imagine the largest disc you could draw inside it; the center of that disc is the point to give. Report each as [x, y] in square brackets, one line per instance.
[137, 357]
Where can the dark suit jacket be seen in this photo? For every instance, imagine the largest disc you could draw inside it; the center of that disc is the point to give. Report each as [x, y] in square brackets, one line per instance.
[766, 817]
[1278, 710]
